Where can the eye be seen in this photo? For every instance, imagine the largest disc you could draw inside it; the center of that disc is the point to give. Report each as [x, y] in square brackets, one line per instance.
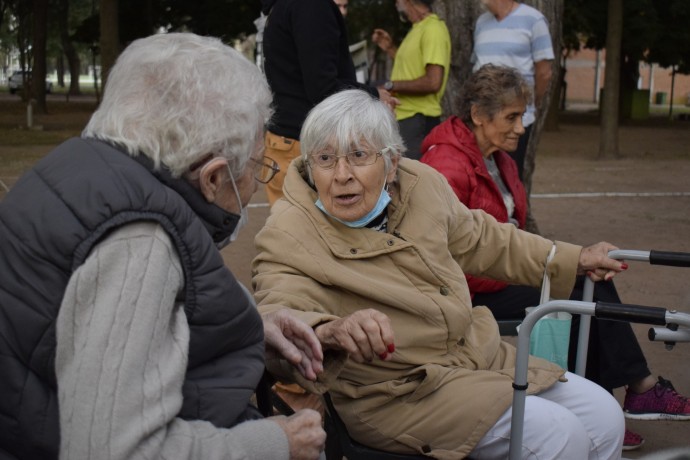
[359, 154]
[324, 156]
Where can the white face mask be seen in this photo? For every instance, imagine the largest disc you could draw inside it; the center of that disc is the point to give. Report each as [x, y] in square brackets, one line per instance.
[244, 218]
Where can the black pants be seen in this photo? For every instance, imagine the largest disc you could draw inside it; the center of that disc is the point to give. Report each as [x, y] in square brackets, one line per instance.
[413, 131]
[614, 357]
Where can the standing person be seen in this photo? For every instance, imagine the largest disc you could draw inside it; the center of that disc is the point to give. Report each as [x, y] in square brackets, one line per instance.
[470, 151]
[124, 335]
[420, 71]
[306, 59]
[517, 35]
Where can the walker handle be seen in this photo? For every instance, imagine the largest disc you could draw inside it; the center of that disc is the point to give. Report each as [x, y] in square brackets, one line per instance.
[672, 259]
[630, 313]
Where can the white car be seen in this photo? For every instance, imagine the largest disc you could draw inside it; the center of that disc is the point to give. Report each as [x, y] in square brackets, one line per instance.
[16, 81]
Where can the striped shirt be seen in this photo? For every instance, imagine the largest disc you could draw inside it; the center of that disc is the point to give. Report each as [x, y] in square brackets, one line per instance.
[519, 40]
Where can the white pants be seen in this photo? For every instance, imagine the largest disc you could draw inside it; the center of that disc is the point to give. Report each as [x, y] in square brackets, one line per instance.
[576, 420]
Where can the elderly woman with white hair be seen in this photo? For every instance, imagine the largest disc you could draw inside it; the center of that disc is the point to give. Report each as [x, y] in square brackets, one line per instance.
[371, 249]
[123, 334]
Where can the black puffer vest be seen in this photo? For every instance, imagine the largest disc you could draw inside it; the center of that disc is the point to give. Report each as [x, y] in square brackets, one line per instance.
[49, 222]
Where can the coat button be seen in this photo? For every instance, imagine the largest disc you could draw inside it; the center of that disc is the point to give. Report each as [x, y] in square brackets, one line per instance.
[444, 290]
[353, 251]
[390, 242]
[461, 342]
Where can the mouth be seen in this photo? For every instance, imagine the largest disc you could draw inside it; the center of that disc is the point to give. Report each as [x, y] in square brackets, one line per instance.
[346, 199]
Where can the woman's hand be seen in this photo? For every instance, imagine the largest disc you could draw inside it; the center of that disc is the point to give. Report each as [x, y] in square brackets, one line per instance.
[595, 262]
[305, 434]
[364, 335]
[294, 340]
[382, 39]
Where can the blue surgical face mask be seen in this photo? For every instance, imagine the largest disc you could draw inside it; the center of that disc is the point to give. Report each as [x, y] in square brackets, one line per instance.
[384, 199]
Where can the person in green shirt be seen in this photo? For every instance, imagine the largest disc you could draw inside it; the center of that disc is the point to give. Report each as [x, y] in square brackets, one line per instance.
[420, 71]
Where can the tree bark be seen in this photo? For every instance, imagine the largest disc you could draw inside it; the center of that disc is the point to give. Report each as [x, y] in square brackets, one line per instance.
[40, 40]
[608, 140]
[68, 50]
[110, 37]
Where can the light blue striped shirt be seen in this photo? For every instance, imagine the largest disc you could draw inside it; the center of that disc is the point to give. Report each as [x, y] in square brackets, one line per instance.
[519, 40]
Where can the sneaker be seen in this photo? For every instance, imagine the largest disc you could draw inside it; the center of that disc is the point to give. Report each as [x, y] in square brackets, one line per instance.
[632, 440]
[661, 402]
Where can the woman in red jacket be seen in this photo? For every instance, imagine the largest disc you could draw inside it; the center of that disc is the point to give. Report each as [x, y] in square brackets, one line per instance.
[470, 151]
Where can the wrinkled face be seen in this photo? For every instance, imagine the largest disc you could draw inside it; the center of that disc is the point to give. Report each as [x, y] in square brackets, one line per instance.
[501, 132]
[349, 192]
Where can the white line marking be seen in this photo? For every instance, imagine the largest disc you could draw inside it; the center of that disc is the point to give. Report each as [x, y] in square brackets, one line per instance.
[608, 194]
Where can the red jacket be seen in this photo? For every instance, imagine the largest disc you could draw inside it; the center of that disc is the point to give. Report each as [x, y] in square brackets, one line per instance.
[451, 149]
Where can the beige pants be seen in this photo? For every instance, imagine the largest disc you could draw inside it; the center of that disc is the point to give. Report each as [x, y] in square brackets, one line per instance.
[283, 150]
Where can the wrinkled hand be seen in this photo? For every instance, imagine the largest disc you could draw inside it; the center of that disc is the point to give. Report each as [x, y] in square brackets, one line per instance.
[386, 97]
[364, 335]
[304, 432]
[382, 39]
[595, 262]
[294, 340]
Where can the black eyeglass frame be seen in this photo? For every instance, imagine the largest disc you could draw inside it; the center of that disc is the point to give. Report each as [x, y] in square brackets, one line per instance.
[266, 162]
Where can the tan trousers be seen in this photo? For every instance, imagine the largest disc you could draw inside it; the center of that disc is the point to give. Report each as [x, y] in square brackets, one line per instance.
[283, 150]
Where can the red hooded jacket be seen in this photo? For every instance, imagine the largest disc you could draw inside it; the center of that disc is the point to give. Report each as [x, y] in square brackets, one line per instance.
[451, 149]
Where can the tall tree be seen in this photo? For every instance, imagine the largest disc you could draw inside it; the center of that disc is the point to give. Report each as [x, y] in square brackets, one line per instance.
[608, 140]
[38, 49]
[110, 36]
[68, 48]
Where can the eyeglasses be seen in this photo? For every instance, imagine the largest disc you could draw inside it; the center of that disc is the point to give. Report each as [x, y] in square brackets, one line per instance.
[265, 170]
[327, 160]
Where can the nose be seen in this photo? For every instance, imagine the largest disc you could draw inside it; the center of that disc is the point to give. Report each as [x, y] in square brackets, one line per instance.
[519, 127]
[343, 171]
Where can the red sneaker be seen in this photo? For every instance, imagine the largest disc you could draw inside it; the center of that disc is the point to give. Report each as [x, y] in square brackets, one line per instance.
[661, 402]
[632, 440]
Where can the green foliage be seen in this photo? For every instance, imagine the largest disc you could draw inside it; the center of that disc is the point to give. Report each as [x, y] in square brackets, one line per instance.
[653, 30]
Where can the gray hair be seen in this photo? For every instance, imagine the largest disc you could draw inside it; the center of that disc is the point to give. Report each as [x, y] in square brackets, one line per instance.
[348, 119]
[490, 89]
[179, 97]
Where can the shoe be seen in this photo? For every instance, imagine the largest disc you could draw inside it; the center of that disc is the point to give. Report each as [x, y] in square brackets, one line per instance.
[661, 402]
[632, 440]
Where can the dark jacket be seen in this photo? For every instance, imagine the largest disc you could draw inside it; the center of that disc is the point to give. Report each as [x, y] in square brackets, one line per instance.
[451, 149]
[49, 222]
[307, 59]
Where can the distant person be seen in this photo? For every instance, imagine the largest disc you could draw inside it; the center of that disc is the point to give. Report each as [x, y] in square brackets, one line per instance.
[420, 71]
[517, 35]
[470, 151]
[306, 59]
[123, 333]
[342, 6]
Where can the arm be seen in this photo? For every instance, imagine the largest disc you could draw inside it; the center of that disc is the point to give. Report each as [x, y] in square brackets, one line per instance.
[122, 342]
[384, 41]
[542, 78]
[318, 31]
[428, 83]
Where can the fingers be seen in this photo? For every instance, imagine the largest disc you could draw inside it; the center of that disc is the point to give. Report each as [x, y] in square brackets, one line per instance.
[295, 341]
[594, 260]
[364, 335]
[305, 434]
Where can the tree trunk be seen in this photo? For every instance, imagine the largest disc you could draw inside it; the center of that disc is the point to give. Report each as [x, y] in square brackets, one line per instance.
[608, 140]
[460, 16]
[68, 48]
[110, 37]
[40, 40]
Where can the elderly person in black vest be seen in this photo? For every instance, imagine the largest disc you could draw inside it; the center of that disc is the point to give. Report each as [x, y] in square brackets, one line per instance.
[123, 335]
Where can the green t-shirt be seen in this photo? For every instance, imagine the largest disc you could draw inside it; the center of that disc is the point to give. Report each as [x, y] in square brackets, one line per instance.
[428, 42]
